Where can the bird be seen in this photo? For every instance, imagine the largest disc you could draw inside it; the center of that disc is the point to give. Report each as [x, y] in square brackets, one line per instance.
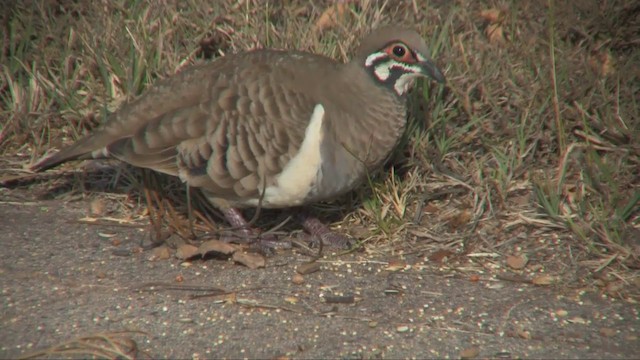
[270, 128]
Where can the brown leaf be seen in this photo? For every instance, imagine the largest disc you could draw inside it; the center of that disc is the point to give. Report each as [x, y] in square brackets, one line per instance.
[492, 15]
[470, 352]
[440, 256]
[607, 332]
[97, 207]
[396, 265]
[252, 261]
[186, 251]
[308, 268]
[601, 62]
[160, 253]
[544, 280]
[495, 34]
[297, 279]
[460, 219]
[216, 246]
[517, 262]
[331, 16]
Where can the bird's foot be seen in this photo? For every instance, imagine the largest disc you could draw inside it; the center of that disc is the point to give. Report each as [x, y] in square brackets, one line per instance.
[244, 234]
[319, 233]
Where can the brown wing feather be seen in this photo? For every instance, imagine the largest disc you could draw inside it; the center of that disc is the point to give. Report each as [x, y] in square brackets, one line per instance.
[235, 139]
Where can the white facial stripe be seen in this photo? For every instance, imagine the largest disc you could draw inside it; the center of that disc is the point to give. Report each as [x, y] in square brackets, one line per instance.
[295, 181]
[374, 57]
[382, 72]
[420, 57]
[404, 82]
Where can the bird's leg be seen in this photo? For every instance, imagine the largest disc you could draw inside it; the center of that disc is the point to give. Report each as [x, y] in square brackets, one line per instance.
[246, 234]
[318, 231]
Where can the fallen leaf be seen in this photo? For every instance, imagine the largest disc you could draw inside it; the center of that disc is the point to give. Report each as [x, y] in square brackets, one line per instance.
[577, 320]
[160, 253]
[186, 251]
[544, 280]
[523, 334]
[396, 264]
[402, 328]
[431, 209]
[601, 62]
[517, 262]
[607, 332]
[440, 256]
[97, 207]
[495, 34]
[491, 15]
[470, 353]
[308, 268]
[179, 278]
[460, 219]
[291, 300]
[494, 20]
[297, 279]
[252, 261]
[331, 16]
[216, 246]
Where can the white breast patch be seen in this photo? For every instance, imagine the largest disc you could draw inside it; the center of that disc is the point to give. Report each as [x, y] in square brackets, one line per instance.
[295, 181]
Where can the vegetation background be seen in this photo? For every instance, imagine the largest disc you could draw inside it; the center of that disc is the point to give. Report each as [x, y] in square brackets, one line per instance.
[527, 162]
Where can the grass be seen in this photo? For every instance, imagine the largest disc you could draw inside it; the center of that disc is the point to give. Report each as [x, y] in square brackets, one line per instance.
[533, 141]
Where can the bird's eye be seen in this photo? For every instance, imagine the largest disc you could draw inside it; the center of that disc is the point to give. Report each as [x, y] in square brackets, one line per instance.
[399, 51]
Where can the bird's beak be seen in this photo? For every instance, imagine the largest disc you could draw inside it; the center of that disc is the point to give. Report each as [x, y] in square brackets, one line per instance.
[431, 70]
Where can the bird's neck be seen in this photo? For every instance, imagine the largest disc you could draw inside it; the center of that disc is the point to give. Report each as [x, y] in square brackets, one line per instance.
[375, 121]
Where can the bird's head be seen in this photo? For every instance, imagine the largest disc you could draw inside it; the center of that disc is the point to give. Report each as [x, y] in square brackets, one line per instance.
[395, 57]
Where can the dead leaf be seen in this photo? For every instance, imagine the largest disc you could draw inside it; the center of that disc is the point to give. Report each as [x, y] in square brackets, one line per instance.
[431, 209]
[396, 265]
[470, 352]
[495, 34]
[517, 262]
[160, 253]
[607, 332]
[216, 246]
[179, 278]
[308, 268]
[544, 280]
[186, 251]
[252, 261]
[494, 19]
[523, 334]
[440, 256]
[297, 279]
[333, 15]
[492, 15]
[460, 219]
[97, 207]
[601, 62]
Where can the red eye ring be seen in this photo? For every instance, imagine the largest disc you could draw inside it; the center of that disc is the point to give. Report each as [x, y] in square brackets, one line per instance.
[401, 52]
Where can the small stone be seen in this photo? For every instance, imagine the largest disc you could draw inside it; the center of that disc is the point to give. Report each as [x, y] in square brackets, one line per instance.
[470, 353]
[402, 328]
[607, 332]
[297, 279]
[308, 268]
[517, 262]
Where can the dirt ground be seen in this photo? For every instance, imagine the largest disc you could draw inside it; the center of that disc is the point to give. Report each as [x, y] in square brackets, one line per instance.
[63, 279]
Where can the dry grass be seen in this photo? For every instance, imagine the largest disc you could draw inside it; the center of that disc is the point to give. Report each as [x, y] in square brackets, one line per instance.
[531, 148]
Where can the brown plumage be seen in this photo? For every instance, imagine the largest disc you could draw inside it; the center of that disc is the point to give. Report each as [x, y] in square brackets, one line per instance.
[238, 125]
